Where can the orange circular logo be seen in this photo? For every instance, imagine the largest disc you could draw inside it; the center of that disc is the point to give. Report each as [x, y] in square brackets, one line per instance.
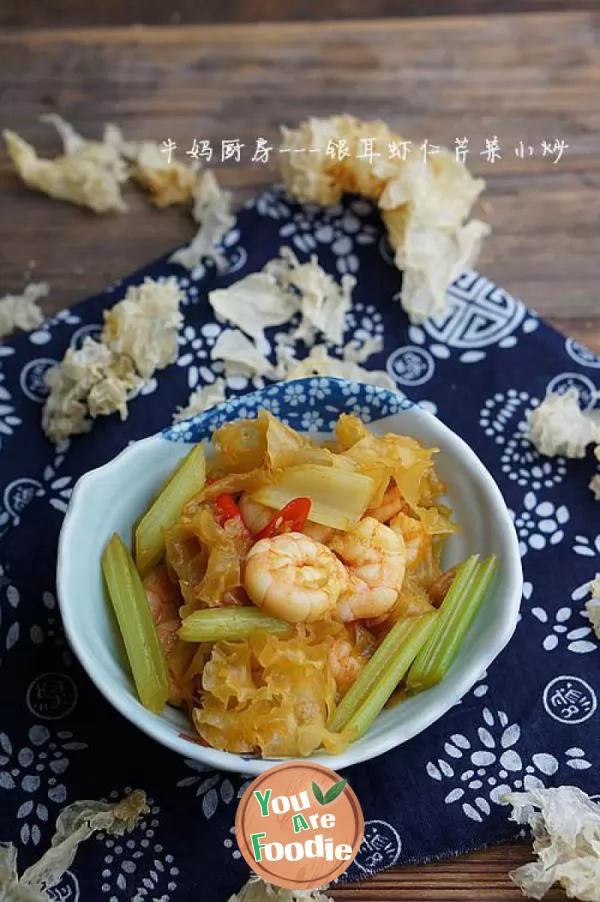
[299, 825]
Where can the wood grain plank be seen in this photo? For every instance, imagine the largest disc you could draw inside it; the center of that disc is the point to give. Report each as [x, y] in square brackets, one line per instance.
[470, 878]
[66, 13]
[519, 77]
[483, 875]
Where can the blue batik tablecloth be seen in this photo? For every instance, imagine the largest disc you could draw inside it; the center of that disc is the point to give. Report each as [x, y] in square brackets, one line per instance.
[533, 718]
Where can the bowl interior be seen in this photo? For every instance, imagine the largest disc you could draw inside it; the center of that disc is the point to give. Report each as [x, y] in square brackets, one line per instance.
[112, 498]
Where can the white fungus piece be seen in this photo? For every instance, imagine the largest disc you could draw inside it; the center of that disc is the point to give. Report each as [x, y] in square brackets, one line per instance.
[144, 325]
[592, 605]
[212, 209]
[138, 338]
[89, 381]
[430, 260]
[323, 303]
[21, 311]
[565, 824]
[87, 173]
[594, 483]
[75, 824]
[166, 182]
[253, 304]
[425, 205]
[241, 355]
[558, 427]
[284, 288]
[359, 352]
[320, 363]
[594, 486]
[256, 890]
[202, 399]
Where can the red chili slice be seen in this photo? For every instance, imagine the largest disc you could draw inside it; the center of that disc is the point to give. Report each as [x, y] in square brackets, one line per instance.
[290, 518]
[227, 508]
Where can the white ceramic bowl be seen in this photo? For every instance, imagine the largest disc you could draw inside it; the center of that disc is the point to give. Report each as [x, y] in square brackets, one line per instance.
[111, 498]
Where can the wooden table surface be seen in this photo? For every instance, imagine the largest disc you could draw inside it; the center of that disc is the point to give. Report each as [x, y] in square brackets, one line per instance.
[521, 78]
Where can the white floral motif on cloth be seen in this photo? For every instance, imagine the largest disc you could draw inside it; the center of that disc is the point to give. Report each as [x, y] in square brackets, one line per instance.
[33, 773]
[137, 867]
[483, 768]
[503, 419]
[48, 628]
[10, 598]
[540, 523]
[566, 627]
[211, 787]
[9, 419]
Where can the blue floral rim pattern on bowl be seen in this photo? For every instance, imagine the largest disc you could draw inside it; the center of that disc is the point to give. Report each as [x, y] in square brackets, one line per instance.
[308, 405]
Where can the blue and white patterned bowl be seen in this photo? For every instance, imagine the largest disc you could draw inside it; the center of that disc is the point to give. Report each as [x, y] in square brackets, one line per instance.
[112, 497]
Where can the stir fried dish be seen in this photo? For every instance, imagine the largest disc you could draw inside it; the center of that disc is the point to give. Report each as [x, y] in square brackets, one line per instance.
[281, 591]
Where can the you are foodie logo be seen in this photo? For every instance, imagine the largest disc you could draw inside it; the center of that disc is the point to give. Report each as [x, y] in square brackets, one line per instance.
[299, 825]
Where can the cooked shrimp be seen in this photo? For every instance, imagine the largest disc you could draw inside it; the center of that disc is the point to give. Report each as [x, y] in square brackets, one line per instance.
[317, 532]
[416, 538]
[392, 504]
[256, 516]
[348, 655]
[164, 602]
[293, 577]
[375, 557]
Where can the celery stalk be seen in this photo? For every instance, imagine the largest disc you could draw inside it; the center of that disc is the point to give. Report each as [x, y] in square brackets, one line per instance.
[381, 675]
[223, 624]
[457, 611]
[187, 480]
[144, 651]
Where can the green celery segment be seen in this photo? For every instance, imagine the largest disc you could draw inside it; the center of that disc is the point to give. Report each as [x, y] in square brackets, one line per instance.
[463, 600]
[186, 481]
[130, 604]
[229, 624]
[381, 675]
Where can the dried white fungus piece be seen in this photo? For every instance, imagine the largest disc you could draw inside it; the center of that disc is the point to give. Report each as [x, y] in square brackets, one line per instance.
[75, 824]
[166, 182]
[201, 399]
[425, 205]
[594, 483]
[256, 890]
[565, 824]
[144, 325]
[558, 427]
[594, 486]
[138, 338]
[592, 606]
[320, 363]
[359, 352]
[322, 302]
[21, 311]
[253, 304]
[212, 209]
[89, 381]
[283, 288]
[241, 355]
[88, 173]
[430, 260]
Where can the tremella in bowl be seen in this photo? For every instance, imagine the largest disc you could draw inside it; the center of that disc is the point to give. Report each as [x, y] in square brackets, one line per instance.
[111, 498]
